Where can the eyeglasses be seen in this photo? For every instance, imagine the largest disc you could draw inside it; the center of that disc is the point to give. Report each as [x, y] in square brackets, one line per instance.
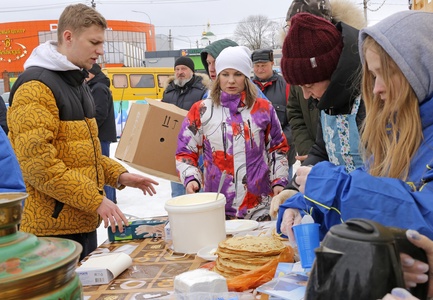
[286, 28]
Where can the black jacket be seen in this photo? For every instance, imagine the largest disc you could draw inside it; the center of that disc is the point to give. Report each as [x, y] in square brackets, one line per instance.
[184, 97]
[73, 98]
[100, 87]
[303, 117]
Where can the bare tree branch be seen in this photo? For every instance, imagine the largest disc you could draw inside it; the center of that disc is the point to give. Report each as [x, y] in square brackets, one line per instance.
[257, 32]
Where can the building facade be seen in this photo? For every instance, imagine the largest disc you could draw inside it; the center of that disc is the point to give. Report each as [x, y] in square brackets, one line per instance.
[126, 43]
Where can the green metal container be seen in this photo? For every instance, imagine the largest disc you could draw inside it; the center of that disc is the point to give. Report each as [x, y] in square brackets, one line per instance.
[34, 267]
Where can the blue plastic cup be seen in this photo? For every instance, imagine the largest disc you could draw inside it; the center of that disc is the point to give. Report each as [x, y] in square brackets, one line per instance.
[307, 239]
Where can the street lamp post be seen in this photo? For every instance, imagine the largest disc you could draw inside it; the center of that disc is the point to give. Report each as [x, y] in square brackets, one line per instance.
[189, 40]
[150, 20]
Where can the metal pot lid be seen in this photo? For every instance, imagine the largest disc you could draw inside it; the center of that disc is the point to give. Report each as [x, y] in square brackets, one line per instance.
[50, 265]
[363, 230]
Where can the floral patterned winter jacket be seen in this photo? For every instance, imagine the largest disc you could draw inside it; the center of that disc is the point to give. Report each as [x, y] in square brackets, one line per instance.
[59, 152]
[247, 143]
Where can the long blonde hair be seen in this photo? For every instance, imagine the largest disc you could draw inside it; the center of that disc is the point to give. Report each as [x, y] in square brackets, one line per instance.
[250, 91]
[392, 129]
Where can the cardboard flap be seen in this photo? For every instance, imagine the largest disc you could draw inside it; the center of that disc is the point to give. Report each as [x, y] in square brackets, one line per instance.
[130, 136]
[168, 106]
[149, 139]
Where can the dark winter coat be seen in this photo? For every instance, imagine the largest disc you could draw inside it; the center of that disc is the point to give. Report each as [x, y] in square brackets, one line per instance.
[303, 117]
[184, 97]
[100, 87]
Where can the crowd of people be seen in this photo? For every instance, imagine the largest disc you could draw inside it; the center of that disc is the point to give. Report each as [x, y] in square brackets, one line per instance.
[353, 105]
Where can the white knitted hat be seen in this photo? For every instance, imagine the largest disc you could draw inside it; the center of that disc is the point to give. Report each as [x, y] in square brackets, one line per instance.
[238, 58]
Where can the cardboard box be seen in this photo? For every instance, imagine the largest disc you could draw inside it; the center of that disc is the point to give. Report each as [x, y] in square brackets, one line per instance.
[103, 268]
[138, 229]
[149, 139]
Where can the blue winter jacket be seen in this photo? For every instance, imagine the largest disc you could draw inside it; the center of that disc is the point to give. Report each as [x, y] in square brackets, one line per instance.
[333, 196]
[11, 179]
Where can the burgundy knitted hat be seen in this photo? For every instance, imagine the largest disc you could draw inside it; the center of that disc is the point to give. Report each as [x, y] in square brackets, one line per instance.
[311, 50]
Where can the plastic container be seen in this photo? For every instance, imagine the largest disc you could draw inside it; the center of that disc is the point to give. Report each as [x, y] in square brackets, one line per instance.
[196, 220]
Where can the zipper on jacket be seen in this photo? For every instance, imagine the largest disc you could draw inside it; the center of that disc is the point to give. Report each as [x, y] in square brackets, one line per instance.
[251, 134]
[224, 131]
[274, 163]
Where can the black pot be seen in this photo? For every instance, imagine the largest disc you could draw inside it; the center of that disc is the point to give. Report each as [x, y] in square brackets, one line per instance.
[360, 260]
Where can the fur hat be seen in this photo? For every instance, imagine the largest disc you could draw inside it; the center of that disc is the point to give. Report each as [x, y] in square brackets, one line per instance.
[321, 8]
[262, 55]
[185, 61]
[238, 58]
[311, 50]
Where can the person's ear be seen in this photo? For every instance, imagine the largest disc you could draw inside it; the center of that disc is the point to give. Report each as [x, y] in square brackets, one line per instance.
[67, 36]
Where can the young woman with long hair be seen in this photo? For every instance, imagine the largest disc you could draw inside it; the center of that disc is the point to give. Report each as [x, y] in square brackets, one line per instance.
[239, 133]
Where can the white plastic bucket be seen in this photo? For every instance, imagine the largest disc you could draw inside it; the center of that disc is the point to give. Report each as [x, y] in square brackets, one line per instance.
[196, 221]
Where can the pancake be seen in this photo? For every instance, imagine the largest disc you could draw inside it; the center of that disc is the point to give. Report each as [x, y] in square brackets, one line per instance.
[238, 255]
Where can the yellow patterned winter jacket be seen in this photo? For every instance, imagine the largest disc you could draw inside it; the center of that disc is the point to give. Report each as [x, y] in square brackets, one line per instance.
[55, 138]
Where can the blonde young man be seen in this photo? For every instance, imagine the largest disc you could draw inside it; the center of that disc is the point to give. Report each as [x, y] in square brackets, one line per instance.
[55, 136]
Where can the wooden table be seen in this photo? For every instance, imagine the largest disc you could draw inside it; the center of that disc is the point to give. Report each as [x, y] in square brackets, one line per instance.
[151, 275]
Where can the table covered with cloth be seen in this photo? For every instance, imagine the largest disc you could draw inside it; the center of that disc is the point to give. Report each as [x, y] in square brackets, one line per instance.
[151, 275]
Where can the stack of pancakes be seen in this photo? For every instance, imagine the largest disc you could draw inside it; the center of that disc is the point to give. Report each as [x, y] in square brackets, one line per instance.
[238, 255]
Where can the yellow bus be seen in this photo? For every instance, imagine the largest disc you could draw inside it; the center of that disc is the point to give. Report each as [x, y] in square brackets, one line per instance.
[137, 83]
[129, 85]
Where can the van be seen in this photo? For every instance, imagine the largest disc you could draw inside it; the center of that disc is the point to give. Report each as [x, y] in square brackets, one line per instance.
[137, 83]
[129, 85]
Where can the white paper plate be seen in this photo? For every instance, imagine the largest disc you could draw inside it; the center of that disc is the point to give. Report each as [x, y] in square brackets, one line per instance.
[236, 226]
[208, 253]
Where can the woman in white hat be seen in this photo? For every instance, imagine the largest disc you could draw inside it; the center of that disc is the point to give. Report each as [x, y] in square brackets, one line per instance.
[239, 133]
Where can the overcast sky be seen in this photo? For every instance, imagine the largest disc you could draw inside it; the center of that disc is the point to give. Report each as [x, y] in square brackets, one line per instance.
[187, 19]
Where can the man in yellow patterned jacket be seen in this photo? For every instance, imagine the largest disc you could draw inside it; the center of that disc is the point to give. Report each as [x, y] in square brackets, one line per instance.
[55, 136]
